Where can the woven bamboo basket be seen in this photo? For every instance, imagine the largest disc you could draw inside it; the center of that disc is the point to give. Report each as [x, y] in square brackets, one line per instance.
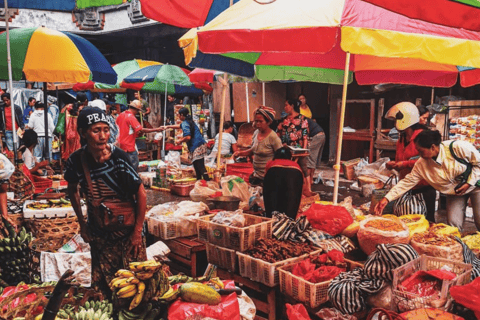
[52, 234]
[24, 309]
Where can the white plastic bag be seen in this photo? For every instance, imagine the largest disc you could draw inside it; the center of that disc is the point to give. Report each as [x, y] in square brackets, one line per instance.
[377, 170]
[6, 167]
[200, 191]
[173, 159]
[237, 187]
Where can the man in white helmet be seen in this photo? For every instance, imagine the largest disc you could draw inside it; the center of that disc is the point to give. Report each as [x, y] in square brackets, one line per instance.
[421, 199]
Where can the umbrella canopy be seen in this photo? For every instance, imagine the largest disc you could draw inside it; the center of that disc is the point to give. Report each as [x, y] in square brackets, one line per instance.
[56, 5]
[46, 55]
[453, 13]
[124, 69]
[184, 13]
[283, 26]
[328, 67]
[160, 79]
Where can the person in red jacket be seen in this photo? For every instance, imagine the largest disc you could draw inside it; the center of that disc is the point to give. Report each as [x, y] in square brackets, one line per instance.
[407, 117]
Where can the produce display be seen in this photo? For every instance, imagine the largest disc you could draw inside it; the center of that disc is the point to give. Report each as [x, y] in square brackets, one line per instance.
[441, 228]
[321, 268]
[437, 245]
[465, 128]
[378, 230]
[131, 283]
[93, 310]
[15, 258]
[272, 250]
[50, 204]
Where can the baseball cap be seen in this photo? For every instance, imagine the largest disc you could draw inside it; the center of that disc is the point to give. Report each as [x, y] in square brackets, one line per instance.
[89, 116]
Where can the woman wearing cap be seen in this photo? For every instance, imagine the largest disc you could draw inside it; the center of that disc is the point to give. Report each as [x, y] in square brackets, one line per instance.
[264, 144]
[407, 117]
[105, 175]
[195, 142]
[452, 168]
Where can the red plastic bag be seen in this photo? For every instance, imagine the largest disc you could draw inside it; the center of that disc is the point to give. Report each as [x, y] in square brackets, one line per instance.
[228, 309]
[468, 296]
[297, 312]
[331, 219]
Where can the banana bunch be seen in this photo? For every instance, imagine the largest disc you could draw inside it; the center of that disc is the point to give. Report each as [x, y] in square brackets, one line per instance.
[130, 283]
[148, 313]
[93, 310]
[15, 256]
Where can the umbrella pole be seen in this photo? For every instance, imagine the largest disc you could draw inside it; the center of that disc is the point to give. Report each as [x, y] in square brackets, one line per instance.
[164, 123]
[10, 83]
[336, 167]
[222, 116]
[46, 153]
[263, 93]
[248, 102]
[433, 95]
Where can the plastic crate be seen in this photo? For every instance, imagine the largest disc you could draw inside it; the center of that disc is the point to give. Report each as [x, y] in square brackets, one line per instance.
[266, 272]
[171, 229]
[404, 301]
[314, 294]
[239, 239]
[41, 184]
[222, 257]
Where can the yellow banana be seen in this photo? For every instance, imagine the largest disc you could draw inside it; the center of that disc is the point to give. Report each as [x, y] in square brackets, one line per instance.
[217, 283]
[124, 273]
[138, 296]
[116, 282]
[144, 275]
[128, 291]
[163, 284]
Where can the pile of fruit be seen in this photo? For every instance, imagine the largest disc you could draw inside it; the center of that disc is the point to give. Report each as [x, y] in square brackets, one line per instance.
[15, 256]
[131, 283]
[51, 203]
[93, 310]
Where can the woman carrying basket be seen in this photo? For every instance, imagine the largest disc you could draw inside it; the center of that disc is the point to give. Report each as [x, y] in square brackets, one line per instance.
[116, 199]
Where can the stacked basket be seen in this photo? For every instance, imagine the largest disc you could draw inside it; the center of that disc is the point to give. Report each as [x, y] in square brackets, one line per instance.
[223, 242]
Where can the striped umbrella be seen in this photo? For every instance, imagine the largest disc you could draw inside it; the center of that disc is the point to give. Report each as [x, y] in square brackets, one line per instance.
[56, 5]
[316, 27]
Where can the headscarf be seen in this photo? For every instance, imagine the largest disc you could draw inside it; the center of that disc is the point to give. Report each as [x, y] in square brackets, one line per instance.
[267, 112]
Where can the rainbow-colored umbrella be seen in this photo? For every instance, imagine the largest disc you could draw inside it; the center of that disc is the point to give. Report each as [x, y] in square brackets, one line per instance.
[290, 30]
[46, 55]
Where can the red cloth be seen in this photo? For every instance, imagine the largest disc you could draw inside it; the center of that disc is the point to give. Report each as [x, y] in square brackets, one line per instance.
[282, 163]
[128, 128]
[179, 13]
[8, 118]
[72, 138]
[406, 153]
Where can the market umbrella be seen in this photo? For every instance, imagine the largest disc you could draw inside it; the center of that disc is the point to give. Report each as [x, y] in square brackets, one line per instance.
[184, 13]
[74, 60]
[56, 5]
[314, 27]
[122, 69]
[167, 79]
[453, 13]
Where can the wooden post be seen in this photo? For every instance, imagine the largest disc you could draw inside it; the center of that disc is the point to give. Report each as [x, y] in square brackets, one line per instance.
[336, 167]
[222, 116]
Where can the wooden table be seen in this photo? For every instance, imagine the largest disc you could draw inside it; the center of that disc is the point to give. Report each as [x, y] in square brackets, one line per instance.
[188, 255]
[266, 305]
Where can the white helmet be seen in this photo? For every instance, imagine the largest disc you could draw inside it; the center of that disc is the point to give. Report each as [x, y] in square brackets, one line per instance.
[405, 114]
